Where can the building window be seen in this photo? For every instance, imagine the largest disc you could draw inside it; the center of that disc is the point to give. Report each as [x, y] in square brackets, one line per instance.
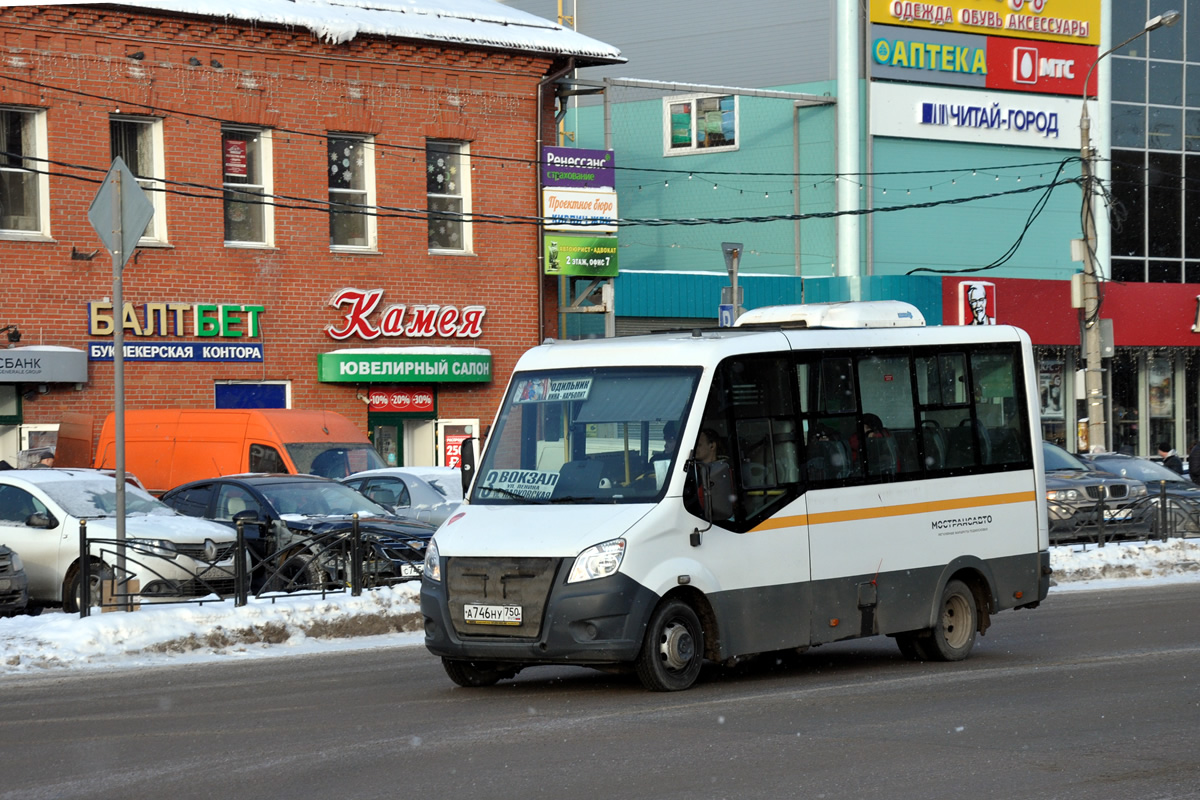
[24, 187]
[351, 191]
[246, 160]
[139, 143]
[696, 124]
[447, 166]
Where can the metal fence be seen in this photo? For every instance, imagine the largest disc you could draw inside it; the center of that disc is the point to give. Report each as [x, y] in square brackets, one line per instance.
[121, 575]
[1159, 515]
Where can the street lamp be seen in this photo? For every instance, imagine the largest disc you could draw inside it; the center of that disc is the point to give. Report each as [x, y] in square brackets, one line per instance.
[1093, 379]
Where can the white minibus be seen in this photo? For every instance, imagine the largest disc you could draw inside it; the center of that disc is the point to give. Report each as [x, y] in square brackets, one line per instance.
[816, 473]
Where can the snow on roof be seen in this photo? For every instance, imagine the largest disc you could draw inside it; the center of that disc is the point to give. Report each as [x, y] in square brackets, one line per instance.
[483, 23]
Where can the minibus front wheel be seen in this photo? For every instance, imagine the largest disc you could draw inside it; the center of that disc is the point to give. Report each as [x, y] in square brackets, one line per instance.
[673, 649]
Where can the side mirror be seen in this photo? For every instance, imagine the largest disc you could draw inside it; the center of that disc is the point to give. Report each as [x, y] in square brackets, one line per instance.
[467, 468]
[716, 490]
[42, 519]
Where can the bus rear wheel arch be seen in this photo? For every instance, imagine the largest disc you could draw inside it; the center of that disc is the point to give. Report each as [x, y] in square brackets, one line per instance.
[958, 619]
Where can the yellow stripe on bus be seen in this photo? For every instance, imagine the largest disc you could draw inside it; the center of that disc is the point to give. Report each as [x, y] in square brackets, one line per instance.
[854, 514]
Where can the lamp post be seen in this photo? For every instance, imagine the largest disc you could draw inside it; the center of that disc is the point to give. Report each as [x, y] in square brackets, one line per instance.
[1094, 375]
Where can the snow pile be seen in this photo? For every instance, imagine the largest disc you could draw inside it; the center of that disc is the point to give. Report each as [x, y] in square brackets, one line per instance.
[1165, 561]
[189, 632]
[391, 617]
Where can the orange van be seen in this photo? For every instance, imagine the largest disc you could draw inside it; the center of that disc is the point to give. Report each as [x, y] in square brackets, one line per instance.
[167, 447]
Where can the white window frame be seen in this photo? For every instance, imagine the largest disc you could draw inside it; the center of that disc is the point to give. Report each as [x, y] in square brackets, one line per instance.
[692, 149]
[266, 168]
[367, 192]
[153, 184]
[464, 195]
[40, 149]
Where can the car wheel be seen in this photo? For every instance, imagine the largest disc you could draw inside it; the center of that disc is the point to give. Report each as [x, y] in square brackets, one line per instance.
[73, 589]
[297, 572]
[673, 649]
[476, 674]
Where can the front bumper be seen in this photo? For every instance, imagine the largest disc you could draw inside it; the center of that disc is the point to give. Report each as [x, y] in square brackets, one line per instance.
[596, 622]
[14, 593]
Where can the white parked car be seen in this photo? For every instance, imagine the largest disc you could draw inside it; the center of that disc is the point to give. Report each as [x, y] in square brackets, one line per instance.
[171, 556]
[428, 494]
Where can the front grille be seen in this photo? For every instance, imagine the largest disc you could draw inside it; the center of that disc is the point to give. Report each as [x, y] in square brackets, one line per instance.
[196, 551]
[523, 582]
[1113, 492]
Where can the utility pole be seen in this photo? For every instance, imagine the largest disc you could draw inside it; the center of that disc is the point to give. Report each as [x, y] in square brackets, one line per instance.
[1093, 377]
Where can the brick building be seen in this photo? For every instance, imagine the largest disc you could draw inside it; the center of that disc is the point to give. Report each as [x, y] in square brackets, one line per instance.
[344, 204]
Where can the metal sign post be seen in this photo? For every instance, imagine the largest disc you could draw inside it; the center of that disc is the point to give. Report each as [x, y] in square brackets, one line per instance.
[733, 254]
[119, 213]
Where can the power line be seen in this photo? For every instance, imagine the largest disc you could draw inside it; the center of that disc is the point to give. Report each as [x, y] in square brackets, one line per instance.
[151, 107]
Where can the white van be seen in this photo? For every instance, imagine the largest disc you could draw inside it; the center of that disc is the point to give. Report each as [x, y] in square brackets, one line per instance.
[873, 476]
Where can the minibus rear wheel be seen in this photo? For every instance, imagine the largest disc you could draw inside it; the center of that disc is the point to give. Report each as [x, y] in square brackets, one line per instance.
[953, 635]
[673, 649]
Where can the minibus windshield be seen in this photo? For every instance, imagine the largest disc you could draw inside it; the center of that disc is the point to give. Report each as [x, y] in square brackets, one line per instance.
[598, 435]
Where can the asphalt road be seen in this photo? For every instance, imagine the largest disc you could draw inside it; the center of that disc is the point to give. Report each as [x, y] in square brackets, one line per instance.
[1094, 695]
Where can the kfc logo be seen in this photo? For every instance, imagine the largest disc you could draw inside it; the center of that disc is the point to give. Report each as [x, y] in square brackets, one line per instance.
[976, 303]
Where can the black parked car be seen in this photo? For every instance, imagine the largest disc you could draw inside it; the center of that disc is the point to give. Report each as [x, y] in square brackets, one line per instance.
[1181, 514]
[14, 587]
[1076, 494]
[296, 528]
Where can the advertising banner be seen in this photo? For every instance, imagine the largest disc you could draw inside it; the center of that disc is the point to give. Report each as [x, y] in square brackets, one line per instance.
[1050, 380]
[406, 399]
[982, 62]
[177, 351]
[594, 256]
[580, 210]
[387, 365]
[1075, 21]
[1047, 67]
[934, 113]
[574, 167]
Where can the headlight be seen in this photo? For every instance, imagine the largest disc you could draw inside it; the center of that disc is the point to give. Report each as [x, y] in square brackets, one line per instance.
[1137, 490]
[1063, 495]
[433, 563]
[155, 547]
[17, 564]
[598, 561]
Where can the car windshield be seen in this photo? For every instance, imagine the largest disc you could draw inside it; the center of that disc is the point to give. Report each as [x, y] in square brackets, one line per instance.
[1138, 469]
[587, 435]
[96, 498]
[1057, 458]
[334, 460]
[319, 499]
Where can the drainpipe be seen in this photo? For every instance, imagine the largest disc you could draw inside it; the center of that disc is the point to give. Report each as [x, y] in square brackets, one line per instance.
[542, 84]
[848, 136]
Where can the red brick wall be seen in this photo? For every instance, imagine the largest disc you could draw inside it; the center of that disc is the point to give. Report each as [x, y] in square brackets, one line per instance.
[72, 61]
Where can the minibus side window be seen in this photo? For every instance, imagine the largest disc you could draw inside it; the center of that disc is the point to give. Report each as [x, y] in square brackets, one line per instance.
[996, 377]
[885, 443]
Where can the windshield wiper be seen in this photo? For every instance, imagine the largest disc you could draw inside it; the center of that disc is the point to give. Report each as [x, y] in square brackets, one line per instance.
[572, 499]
